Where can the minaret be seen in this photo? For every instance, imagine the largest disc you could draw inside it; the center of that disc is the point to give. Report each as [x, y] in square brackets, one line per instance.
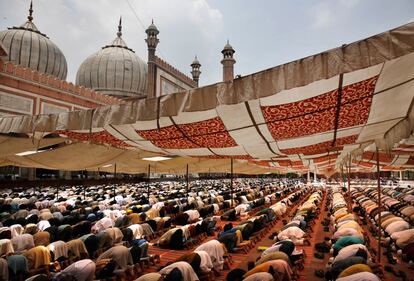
[195, 70]
[152, 42]
[228, 62]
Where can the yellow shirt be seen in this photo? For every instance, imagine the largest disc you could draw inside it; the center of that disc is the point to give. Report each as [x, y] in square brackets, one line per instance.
[356, 268]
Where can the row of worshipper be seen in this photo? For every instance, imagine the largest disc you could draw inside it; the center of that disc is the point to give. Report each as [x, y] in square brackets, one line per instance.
[402, 194]
[211, 257]
[245, 206]
[278, 261]
[351, 259]
[205, 262]
[400, 201]
[297, 229]
[248, 232]
[396, 229]
[179, 236]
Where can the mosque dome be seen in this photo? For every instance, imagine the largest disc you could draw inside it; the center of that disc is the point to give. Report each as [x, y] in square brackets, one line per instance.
[114, 70]
[28, 47]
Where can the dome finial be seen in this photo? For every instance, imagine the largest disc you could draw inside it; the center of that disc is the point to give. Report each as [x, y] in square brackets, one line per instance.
[30, 17]
[119, 33]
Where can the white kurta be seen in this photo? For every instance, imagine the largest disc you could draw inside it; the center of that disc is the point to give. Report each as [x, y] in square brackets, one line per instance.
[137, 230]
[185, 268]
[59, 249]
[349, 251]
[216, 252]
[205, 264]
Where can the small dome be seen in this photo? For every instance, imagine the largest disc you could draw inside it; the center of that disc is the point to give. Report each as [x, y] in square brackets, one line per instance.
[114, 70]
[228, 47]
[152, 27]
[28, 47]
[195, 62]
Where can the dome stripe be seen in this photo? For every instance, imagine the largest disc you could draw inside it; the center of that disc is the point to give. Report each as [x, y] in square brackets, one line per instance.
[124, 69]
[19, 59]
[30, 50]
[132, 71]
[11, 46]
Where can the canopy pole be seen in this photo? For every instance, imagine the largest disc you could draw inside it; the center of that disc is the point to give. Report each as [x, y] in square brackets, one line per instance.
[84, 191]
[349, 176]
[309, 176]
[401, 175]
[315, 178]
[231, 183]
[349, 183]
[149, 178]
[114, 180]
[187, 183]
[379, 207]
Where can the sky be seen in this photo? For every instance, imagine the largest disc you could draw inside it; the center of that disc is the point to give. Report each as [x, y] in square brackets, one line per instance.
[264, 33]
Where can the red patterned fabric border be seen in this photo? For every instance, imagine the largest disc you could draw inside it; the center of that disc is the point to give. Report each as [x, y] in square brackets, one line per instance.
[206, 127]
[289, 163]
[355, 113]
[321, 147]
[390, 168]
[290, 110]
[181, 143]
[356, 91]
[241, 157]
[304, 125]
[403, 149]
[164, 133]
[405, 146]
[317, 114]
[410, 161]
[102, 137]
[383, 158]
[261, 163]
[363, 163]
[208, 133]
[326, 158]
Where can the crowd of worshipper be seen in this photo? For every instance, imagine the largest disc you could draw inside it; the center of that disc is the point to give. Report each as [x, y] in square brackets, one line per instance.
[101, 232]
[392, 221]
[282, 260]
[211, 257]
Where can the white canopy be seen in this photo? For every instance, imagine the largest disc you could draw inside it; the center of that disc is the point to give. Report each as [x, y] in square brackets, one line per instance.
[306, 114]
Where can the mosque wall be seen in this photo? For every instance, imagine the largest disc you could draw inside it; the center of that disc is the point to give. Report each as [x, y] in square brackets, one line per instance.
[24, 91]
[170, 80]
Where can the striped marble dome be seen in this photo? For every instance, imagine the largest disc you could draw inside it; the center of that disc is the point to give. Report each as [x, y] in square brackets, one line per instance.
[28, 47]
[114, 70]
